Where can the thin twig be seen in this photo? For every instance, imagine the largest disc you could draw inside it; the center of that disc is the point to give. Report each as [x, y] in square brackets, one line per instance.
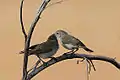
[89, 65]
[58, 2]
[88, 68]
[43, 6]
[25, 36]
[21, 20]
[92, 65]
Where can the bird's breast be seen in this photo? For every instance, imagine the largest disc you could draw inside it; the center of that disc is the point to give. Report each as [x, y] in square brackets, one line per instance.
[69, 46]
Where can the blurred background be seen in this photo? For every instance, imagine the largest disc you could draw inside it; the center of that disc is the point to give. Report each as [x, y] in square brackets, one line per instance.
[95, 22]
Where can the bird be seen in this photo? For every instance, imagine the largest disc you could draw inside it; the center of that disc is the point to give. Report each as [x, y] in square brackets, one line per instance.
[44, 50]
[70, 42]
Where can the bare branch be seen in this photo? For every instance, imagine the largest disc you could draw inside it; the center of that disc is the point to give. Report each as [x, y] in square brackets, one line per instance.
[92, 65]
[25, 36]
[89, 61]
[58, 2]
[27, 43]
[88, 65]
[42, 7]
[88, 68]
[69, 56]
[21, 20]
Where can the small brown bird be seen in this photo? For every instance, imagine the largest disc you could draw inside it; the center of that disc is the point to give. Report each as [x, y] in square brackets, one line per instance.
[44, 50]
[70, 42]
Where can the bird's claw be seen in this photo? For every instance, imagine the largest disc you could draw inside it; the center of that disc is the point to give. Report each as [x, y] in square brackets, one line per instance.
[54, 59]
[45, 63]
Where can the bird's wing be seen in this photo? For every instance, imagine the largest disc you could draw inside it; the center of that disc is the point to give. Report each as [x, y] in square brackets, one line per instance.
[33, 46]
[30, 49]
[46, 47]
[72, 40]
[77, 41]
[42, 48]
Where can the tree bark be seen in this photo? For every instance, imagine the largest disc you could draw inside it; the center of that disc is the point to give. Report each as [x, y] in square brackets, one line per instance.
[69, 56]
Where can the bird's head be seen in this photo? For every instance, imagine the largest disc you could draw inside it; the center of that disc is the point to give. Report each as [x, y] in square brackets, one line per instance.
[52, 37]
[60, 34]
[53, 40]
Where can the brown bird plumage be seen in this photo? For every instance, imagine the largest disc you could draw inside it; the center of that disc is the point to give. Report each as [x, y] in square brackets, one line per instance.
[70, 42]
[46, 49]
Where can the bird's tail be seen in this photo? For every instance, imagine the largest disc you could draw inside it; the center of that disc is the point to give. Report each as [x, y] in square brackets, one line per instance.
[21, 52]
[87, 49]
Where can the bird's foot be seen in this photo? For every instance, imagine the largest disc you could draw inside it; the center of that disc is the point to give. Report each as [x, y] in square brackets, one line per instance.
[72, 54]
[68, 52]
[45, 63]
[54, 58]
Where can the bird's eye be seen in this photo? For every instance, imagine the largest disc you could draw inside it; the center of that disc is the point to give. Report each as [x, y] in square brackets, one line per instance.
[57, 33]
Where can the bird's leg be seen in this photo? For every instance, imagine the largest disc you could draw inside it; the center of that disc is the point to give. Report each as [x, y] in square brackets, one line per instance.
[69, 52]
[53, 58]
[36, 64]
[42, 60]
[44, 63]
[73, 51]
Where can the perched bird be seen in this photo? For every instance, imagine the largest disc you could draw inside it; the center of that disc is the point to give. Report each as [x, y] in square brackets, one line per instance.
[70, 42]
[44, 50]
